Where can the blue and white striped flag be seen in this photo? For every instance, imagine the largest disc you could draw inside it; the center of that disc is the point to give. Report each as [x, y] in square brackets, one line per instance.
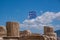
[32, 14]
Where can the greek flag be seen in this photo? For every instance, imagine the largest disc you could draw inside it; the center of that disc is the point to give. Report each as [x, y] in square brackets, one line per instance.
[32, 14]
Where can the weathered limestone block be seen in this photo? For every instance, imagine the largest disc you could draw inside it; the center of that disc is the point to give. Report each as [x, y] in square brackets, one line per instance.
[51, 34]
[42, 38]
[12, 29]
[45, 37]
[11, 38]
[52, 38]
[48, 30]
[30, 38]
[33, 38]
[1, 38]
[2, 31]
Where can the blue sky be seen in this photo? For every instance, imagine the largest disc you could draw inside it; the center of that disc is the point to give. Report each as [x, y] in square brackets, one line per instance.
[18, 10]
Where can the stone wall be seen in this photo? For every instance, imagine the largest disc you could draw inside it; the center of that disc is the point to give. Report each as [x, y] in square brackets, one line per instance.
[1, 38]
[11, 38]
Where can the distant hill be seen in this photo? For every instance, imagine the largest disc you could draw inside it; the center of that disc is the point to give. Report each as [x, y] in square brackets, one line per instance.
[58, 33]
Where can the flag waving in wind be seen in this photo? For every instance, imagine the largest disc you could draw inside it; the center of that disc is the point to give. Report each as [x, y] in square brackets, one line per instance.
[32, 14]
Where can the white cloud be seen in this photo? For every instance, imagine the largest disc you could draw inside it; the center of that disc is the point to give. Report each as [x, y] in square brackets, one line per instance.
[45, 19]
[58, 16]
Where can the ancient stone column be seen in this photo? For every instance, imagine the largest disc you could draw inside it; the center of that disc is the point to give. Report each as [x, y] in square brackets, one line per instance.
[51, 34]
[2, 31]
[48, 29]
[12, 29]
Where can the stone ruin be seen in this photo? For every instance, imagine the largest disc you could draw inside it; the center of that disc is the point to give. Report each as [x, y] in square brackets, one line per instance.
[2, 31]
[11, 32]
